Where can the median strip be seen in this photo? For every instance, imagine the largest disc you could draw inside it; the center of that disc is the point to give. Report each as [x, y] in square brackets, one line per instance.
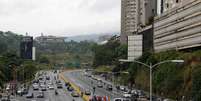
[84, 97]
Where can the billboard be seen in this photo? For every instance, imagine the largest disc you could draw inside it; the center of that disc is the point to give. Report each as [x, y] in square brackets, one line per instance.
[135, 47]
[26, 47]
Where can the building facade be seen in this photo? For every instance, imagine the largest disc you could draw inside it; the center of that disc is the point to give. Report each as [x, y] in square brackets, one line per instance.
[50, 39]
[178, 26]
[135, 15]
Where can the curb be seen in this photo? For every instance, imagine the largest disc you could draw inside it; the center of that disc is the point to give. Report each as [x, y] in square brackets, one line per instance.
[84, 97]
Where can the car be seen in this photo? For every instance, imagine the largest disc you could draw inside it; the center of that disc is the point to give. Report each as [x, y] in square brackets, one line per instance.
[67, 84]
[127, 95]
[35, 87]
[40, 94]
[100, 85]
[75, 94]
[19, 92]
[43, 88]
[109, 88]
[121, 99]
[5, 98]
[30, 95]
[25, 91]
[51, 87]
[122, 88]
[8, 88]
[40, 78]
[87, 92]
[58, 81]
[59, 85]
[70, 89]
[117, 87]
[47, 78]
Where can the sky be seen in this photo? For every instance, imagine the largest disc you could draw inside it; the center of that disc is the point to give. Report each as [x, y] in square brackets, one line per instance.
[60, 17]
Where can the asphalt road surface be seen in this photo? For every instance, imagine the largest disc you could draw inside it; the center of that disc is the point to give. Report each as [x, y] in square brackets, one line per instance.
[49, 95]
[85, 82]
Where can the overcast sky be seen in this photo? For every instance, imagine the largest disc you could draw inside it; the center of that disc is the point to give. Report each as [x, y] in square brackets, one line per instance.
[60, 17]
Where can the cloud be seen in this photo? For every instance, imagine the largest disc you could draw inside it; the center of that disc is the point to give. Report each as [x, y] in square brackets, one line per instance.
[60, 17]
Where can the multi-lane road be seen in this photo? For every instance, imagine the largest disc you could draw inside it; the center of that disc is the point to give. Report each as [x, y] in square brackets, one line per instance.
[49, 95]
[77, 77]
[87, 83]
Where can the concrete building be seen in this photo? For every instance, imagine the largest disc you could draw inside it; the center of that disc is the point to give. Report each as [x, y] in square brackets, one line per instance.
[135, 15]
[178, 26]
[49, 39]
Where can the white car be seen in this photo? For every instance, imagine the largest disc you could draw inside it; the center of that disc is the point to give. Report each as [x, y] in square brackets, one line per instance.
[8, 87]
[51, 87]
[127, 95]
[121, 99]
[122, 88]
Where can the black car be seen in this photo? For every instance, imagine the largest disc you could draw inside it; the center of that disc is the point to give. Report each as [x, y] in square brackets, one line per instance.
[30, 95]
[40, 95]
[67, 84]
[59, 85]
[43, 89]
[70, 89]
[47, 78]
[109, 88]
[25, 91]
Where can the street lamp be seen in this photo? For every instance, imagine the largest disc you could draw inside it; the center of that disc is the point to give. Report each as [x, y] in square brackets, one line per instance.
[150, 66]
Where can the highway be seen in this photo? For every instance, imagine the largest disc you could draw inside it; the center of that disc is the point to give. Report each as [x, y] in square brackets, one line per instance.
[49, 95]
[85, 82]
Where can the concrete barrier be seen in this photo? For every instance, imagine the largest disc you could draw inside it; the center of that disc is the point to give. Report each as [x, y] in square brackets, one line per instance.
[77, 89]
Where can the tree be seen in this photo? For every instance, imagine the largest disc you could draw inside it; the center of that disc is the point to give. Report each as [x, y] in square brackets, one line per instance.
[196, 88]
[44, 59]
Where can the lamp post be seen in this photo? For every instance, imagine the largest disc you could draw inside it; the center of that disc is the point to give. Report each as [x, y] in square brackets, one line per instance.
[150, 66]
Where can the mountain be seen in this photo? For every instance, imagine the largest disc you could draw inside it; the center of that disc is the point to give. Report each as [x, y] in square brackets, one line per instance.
[89, 37]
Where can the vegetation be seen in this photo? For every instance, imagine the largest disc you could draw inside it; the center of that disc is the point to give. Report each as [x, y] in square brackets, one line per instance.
[72, 54]
[170, 80]
[49, 55]
[109, 53]
[10, 62]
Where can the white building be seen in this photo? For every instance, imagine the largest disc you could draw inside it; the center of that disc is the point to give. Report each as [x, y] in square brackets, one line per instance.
[135, 14]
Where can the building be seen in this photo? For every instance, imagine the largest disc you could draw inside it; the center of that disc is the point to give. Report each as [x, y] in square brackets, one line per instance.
[178, 25]
[135, 15]
[26, 47]
[50, 39]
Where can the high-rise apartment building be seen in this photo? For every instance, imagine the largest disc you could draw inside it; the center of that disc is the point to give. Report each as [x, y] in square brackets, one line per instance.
[178, 26]
[135, 14]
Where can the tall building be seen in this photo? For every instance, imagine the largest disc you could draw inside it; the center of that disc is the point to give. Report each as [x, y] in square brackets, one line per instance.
[135, 15]
[178, 26]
